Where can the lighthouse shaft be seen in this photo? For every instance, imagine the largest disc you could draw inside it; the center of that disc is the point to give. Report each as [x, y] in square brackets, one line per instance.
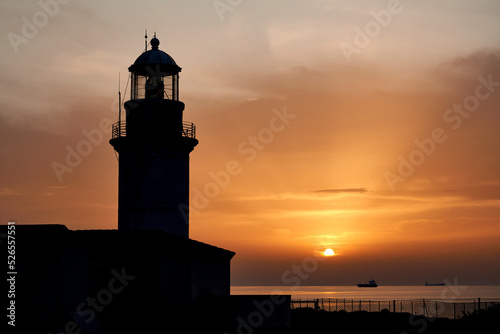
[154, 144]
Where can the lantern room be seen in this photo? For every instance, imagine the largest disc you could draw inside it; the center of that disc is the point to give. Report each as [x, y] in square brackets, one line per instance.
[154, 75]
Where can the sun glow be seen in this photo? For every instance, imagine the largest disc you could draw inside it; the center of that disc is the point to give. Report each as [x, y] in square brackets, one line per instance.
[329, 252]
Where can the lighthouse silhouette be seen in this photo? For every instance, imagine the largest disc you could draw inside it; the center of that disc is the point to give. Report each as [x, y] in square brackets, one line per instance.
[154, 144]
[147, 276]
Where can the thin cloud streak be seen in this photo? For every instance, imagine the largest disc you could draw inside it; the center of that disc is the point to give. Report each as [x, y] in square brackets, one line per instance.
[337, 191]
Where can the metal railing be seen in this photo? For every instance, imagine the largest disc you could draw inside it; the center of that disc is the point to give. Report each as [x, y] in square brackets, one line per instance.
[119, 130]
[433, 308]
[188, 130]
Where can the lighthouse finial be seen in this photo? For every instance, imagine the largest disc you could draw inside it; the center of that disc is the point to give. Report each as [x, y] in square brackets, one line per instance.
[155, 42]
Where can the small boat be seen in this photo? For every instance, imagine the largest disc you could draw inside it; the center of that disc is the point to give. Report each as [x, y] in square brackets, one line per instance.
[434, 284]
[369, 284]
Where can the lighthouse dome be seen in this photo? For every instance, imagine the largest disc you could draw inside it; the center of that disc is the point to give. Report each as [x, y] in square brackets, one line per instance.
[154, 60]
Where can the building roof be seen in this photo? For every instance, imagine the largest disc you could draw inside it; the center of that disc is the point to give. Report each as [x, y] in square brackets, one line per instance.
[119, 245]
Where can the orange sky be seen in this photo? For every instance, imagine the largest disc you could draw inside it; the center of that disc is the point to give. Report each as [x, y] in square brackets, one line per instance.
[318, 143]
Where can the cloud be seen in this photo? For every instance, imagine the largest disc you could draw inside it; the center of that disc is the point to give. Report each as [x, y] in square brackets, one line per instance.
[338, 191]
[485, 59]
[7, 192]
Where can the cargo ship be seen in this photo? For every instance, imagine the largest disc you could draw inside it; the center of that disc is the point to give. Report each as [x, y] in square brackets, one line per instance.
[434, 284]
[369, 284]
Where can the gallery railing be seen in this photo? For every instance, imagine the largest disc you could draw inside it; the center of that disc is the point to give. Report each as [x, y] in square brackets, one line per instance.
[120, 130]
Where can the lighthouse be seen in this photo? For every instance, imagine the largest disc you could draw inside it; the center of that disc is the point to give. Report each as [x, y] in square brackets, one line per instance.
[147, 275]
[153, 145]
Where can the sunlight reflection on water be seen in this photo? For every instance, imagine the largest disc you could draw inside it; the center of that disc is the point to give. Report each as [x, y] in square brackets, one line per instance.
[379, 293]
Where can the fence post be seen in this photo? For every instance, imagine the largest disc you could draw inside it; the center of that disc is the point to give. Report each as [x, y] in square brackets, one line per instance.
[394, 306]
[479, 304]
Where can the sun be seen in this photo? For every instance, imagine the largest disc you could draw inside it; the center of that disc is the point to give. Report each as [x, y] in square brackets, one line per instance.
[329, 252]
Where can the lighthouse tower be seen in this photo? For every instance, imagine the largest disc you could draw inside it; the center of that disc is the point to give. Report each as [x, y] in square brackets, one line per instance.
[153, 144]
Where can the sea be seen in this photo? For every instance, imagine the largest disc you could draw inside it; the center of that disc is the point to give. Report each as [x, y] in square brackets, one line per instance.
[380, 293]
